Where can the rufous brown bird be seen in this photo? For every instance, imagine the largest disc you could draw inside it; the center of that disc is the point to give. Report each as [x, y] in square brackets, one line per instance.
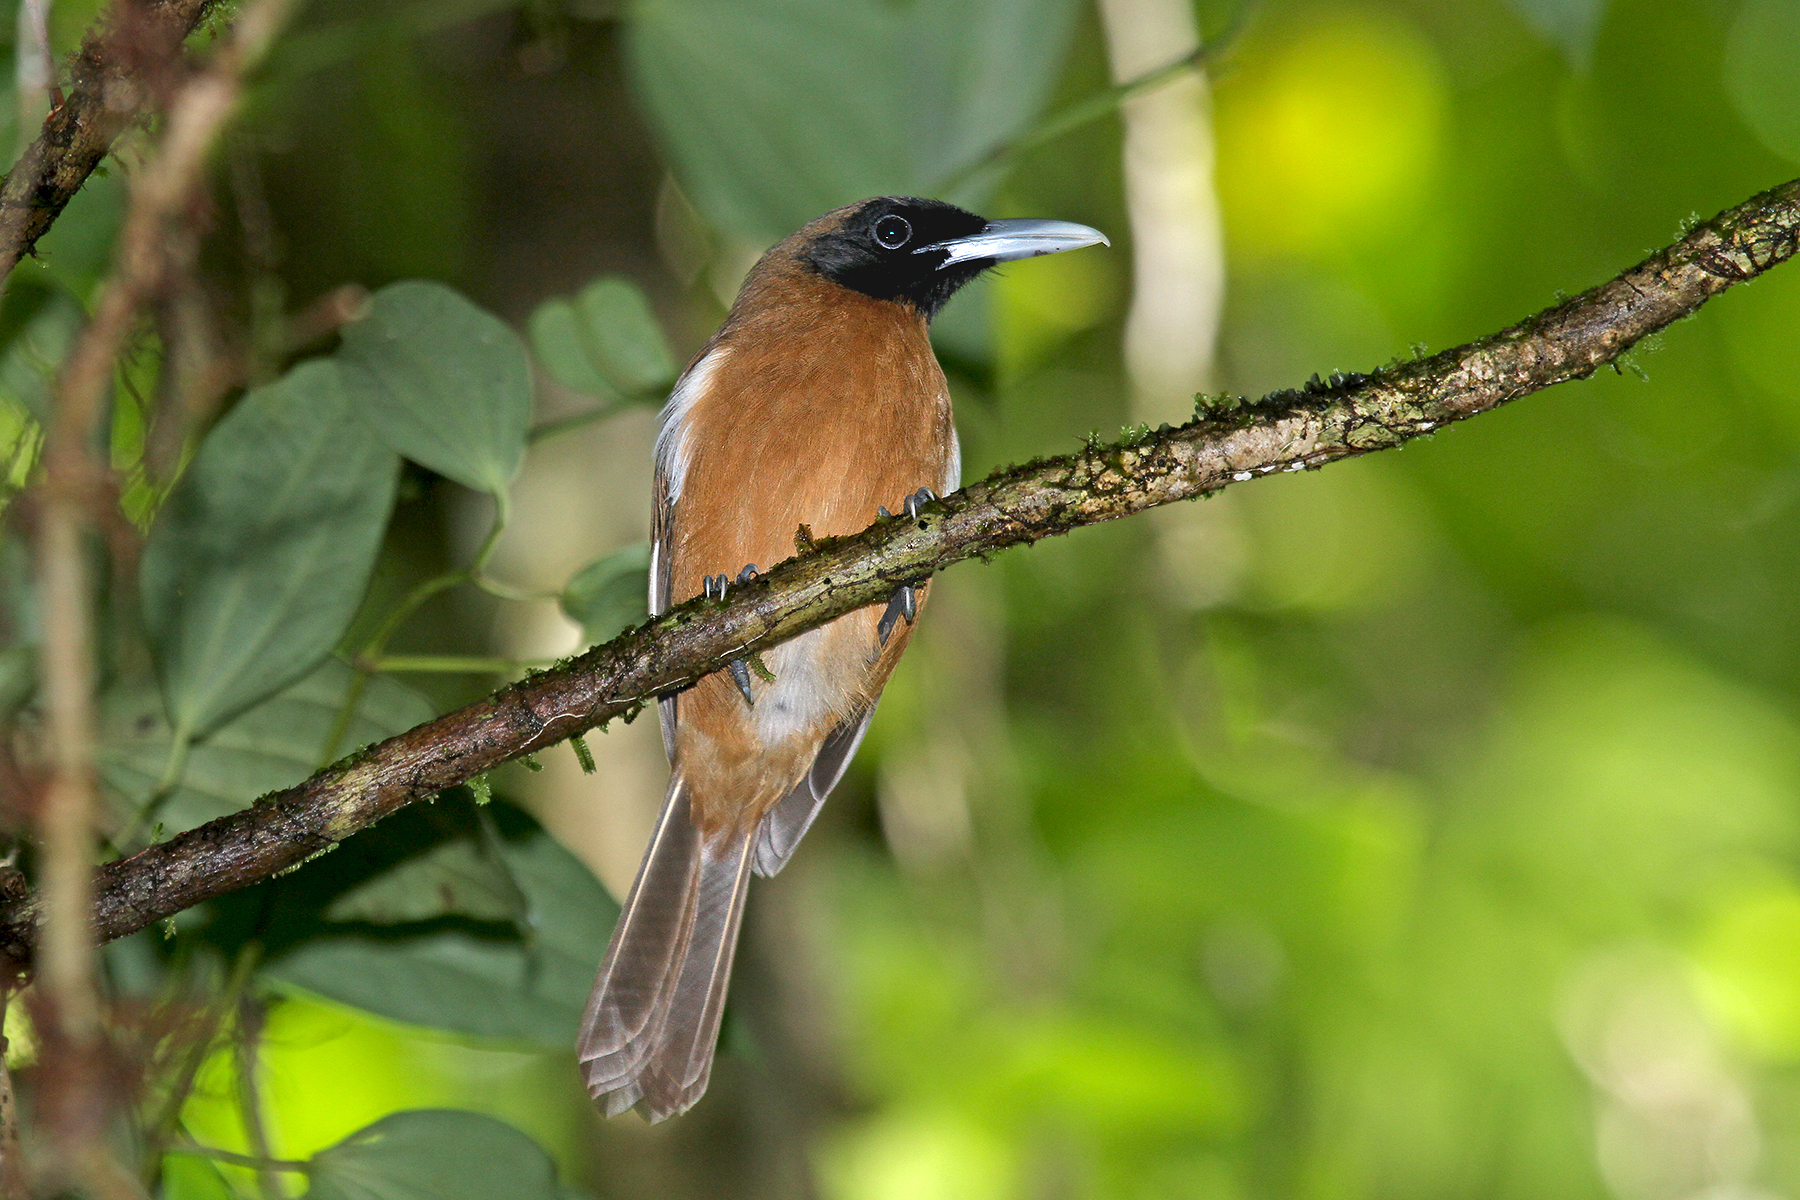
[818, 402]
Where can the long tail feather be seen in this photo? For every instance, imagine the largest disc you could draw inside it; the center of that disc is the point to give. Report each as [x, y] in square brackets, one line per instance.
[653, 1019]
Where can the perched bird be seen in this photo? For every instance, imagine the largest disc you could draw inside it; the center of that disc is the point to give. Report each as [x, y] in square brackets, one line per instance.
[818, 402]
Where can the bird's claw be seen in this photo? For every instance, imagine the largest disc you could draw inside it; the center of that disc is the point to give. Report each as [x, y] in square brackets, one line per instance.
[715, 587]
[915, 502]
[740, 675]
[904, 603]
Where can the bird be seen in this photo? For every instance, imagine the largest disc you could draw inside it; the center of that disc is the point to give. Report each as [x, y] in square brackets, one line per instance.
[816, 405]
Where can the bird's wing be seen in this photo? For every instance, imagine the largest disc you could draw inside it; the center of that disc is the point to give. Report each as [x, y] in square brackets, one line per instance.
[786, 823]
[671, 475]
[662, 521]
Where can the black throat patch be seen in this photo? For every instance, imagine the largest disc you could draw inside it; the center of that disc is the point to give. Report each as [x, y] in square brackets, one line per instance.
[876, 251]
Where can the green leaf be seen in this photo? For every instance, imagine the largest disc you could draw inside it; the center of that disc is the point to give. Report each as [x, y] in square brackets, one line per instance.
[258, 561]
[1762, 72]
[768, 130]
[434, 1154]
[562, 350]
[491, 987]
[610, 593]
[628, 343]
[272, 745]
[443, 382]
[606, 341]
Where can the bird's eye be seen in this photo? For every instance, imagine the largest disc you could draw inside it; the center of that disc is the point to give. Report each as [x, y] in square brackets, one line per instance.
[892, 231]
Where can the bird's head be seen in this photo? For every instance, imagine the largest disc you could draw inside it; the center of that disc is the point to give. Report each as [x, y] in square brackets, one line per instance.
[919, 252]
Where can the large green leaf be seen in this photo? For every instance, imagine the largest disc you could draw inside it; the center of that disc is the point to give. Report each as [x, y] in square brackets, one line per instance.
[773, 113]
[272, 745]
[434, 1154]
[605, 340]
[529, 990]
[259, 559]
[443, 382]
[610, 593]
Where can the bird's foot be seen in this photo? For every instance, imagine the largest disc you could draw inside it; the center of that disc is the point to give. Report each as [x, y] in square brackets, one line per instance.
[714, 588]
[904, 603]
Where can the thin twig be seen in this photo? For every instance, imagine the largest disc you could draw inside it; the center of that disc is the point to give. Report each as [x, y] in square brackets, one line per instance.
[242, 1160]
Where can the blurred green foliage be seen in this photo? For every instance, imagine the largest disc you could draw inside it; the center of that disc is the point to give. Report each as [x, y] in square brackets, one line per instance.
[1427, 826]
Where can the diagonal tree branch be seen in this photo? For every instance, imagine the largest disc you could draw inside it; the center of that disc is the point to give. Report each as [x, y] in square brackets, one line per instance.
[121, 63]
[1226, 443]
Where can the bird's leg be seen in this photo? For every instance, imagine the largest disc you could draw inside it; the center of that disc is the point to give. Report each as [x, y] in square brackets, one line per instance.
[905, 601]
[715, 587]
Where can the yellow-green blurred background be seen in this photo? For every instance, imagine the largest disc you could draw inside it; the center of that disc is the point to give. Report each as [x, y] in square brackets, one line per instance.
[1423, 827]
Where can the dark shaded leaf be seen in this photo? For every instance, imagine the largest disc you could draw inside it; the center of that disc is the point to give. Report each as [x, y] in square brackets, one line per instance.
[259, 559]
[443, 382]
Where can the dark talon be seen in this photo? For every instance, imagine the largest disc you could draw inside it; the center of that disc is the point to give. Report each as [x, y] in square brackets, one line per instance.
[915, 502]
[740, 675]
[882, 512]
[905, 603]
[747, 574]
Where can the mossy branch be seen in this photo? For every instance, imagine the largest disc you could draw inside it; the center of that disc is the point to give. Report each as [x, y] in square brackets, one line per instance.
[1226, 443]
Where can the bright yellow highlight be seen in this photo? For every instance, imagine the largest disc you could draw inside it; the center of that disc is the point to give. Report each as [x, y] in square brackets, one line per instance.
[1749, 962]
[1333, 138]
[918, 1156]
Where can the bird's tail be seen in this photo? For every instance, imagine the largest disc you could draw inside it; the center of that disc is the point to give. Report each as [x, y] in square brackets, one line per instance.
[653, 1019]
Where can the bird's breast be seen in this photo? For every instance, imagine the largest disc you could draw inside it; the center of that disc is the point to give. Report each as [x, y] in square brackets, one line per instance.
[813, 422]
